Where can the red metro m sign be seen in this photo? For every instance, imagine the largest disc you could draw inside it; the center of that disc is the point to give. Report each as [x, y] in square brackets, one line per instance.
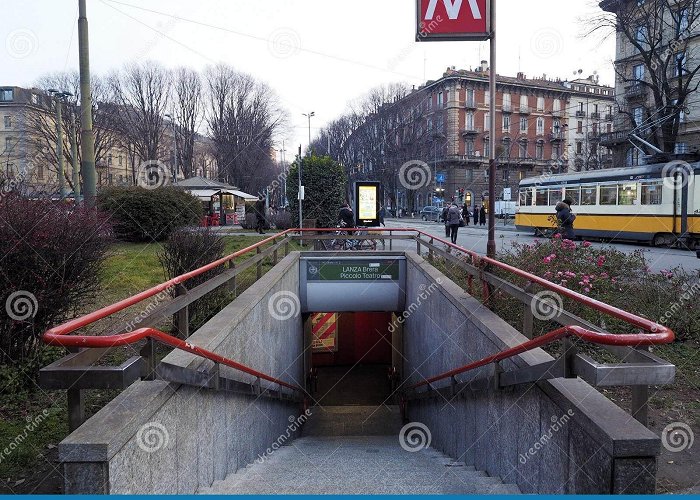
[453, 20]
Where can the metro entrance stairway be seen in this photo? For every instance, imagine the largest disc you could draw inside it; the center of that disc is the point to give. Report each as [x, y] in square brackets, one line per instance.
[330, 462]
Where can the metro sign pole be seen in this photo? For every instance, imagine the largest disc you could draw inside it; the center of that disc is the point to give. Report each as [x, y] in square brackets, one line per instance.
[470, 20]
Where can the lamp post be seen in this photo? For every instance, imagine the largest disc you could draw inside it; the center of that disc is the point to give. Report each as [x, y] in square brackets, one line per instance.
[309, 116]
[58, 99]
[87, 137]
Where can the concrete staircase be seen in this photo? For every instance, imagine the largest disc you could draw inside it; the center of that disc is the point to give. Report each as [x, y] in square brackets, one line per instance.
[328, 460]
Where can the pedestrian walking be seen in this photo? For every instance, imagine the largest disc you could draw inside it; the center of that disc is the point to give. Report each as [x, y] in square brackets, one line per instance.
[260, 215]
[465, 214]
[453, 217]
[566, 219]
[482, 215]
[381, 214]
[443, 216]
[476, 215]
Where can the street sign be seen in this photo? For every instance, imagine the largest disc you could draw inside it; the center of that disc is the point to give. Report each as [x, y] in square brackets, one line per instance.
[453, 20]
[507, 195]
[440, 178]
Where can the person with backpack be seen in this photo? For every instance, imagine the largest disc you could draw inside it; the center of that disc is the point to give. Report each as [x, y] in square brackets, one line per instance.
[453, 218]
[443, 216]
[566, 219]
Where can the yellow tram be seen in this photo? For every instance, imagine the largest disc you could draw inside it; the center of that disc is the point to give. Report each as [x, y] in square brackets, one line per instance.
[658, 204]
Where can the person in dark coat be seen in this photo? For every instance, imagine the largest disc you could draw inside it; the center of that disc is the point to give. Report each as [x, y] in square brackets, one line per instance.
[346, 216]
[465, 214]
[453, 217]
[381, 214]
[566, 219]
[443, 216]
[476, 215]
[260, 215]
[482, 215]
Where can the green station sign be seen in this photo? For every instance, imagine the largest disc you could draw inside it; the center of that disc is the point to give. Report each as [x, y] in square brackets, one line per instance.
[350, 270]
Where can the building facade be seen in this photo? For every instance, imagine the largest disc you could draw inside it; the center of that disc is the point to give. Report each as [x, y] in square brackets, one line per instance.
[534, 132]
[657, 60]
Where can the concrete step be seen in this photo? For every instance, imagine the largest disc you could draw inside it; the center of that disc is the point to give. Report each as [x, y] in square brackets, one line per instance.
[353, 421]
[357, 465]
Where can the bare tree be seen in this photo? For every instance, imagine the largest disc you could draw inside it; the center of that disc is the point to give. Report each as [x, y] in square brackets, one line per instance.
[244, 117]
[661, 66]
[141, 94]
[188, 102]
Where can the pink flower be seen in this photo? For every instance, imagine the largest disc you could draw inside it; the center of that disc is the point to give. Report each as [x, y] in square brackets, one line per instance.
[548, 274]
[603, 275]
[586, 244]
[586, 289]
[557, 236]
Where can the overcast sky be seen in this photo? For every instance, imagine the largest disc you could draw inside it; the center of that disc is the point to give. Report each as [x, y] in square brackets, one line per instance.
[317, 54]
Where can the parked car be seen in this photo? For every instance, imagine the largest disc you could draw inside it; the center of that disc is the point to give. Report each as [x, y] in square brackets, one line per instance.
[431, 213]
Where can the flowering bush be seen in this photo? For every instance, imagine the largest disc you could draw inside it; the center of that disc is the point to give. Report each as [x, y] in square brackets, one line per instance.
[617, 278]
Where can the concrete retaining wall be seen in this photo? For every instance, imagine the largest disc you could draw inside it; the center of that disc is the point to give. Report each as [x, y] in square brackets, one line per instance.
[558, 436]
[162, 438]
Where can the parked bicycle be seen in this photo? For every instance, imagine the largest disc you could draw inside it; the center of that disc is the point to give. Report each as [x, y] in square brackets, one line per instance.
[359, 243]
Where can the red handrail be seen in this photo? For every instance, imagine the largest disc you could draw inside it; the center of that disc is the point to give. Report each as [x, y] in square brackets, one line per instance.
[59, 335]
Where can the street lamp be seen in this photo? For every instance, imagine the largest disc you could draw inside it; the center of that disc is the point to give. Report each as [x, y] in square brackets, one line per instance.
[309, 115]
[58, 98]
[175, 168]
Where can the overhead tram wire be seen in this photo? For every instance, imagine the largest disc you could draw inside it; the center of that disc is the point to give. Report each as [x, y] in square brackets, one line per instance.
[260, 38]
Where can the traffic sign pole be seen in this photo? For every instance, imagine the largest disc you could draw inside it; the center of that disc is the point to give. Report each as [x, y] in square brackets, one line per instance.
[491, 243]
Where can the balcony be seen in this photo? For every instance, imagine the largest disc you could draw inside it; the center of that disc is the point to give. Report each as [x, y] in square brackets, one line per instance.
[506, 108]
[471, 158]
[636, 91]
[594, 136]
[525, 110]
[595, 116]
[580, 114]
[608, 117]
[471, 130]
[556, 137]
[613, 138]
[470, 103]
[557, 113]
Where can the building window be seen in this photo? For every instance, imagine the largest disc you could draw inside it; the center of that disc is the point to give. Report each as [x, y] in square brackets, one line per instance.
[638, 73]
[9, 144]
[539, 150]
[679, 64]
[40, 171]
[440, 100]
[430, 124]
[506, 123]
[641, 36]
[556, 151]
[6, 95]
[637, 116]
[121, 160]
[523, 148]
[487, 148]
[683, 22]
[440, 125]
[506, 147]
[506, 102]
[470, 121]
[487, 121]
[579, 127]
[557, 105]
[8, 122]
[540, 104]
[540, 126]
[556, 126]
[579, 147]
[109, 160]
[523, 123]
[487, 97]
[469, 147]
[506, 175]
[471, 102]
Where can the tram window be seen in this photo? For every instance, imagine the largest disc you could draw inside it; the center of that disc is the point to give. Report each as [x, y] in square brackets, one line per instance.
[541, 197]
[608, 195]
[588, 195]
[651, 193]
[573, 194]
[526, 198]
[554, 196]
[628, 194]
